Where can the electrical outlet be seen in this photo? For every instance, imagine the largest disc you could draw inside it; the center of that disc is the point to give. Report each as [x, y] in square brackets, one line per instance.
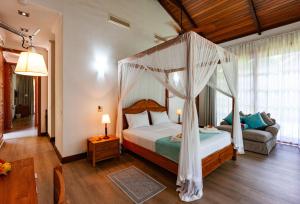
[100, 109]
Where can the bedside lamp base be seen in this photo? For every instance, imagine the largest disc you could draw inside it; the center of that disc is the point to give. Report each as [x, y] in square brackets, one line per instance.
[178, 119]
[106, 136]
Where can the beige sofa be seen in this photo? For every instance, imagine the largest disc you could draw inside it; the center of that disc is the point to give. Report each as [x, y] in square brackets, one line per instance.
[259, 141]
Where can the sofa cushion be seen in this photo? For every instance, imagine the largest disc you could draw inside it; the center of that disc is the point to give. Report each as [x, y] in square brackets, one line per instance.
[267, 118]
[257, 135]
[255, 121]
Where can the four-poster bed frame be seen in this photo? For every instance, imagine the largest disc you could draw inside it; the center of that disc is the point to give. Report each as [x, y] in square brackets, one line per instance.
[209, 163]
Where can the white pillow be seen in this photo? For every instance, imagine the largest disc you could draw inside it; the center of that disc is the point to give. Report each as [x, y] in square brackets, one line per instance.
[137, 120]
[159, 117]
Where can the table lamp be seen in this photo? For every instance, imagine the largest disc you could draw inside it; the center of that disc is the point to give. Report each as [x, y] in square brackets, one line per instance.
[105, 120]
[179, 113]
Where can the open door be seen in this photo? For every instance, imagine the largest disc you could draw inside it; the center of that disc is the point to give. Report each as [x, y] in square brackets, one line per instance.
[1, 98]
[22, 98]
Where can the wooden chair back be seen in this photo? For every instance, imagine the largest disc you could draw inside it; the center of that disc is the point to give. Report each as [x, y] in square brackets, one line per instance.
[59, 185]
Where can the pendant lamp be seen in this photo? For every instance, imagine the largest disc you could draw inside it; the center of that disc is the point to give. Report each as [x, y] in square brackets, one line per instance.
[31, 63]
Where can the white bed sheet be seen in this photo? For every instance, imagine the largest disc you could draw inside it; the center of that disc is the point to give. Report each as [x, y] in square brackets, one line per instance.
[146, 137]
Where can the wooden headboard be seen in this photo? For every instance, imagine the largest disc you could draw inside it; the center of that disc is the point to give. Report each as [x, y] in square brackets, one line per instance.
[141, 106]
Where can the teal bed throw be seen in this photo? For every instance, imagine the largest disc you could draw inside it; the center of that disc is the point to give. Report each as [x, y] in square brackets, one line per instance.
[170, 149]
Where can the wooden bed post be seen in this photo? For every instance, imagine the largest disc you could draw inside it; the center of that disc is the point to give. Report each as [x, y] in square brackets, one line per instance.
[197, 106]
[167, 95]
[234, 157]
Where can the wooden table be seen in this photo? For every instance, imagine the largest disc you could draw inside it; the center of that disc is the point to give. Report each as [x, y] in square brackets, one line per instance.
[100, 149]
[19, 186]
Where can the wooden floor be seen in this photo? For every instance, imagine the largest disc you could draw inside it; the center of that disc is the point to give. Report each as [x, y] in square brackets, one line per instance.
[252, 178]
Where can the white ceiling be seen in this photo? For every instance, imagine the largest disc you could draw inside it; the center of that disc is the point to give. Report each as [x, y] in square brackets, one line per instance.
[40, 17]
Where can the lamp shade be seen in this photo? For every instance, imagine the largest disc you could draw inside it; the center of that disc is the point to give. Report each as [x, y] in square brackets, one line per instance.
[31, 64]
[178, 112]
[105, 118]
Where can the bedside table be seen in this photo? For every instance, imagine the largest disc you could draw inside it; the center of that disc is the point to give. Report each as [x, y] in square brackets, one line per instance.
[99, 149]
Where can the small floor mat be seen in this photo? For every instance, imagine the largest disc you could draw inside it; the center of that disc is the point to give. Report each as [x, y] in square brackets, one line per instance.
[138, 185]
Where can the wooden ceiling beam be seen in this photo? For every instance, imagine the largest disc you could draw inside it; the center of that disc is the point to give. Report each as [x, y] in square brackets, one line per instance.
[170, 13]
[254, 16]
[179, 5]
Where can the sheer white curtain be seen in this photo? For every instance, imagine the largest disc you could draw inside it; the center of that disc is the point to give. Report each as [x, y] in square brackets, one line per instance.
[269, 80]
[223, 106]
[174, 104]
[200, 59]
[223, 99]
[229, 64]
[127, 77]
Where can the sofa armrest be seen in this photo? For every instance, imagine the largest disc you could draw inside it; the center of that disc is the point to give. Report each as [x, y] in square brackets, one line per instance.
[273, 129]
[224, 123]
[227, 128]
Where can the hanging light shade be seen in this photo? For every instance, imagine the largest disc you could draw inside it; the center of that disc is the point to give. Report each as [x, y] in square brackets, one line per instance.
[31, 63]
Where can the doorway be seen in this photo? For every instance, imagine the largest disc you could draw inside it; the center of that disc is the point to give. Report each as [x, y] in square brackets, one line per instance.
[22, 100]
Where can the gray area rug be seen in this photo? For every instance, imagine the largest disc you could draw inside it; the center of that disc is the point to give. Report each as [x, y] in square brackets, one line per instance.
[138, 185]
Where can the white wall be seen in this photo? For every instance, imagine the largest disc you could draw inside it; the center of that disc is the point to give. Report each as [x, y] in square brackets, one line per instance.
[58, 30]
[91, 48]
[51, 89]
[44, 91]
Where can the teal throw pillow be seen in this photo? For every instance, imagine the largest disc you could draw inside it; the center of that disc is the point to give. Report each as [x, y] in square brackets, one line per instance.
[228, 118]
[242, 118]
[255, 121]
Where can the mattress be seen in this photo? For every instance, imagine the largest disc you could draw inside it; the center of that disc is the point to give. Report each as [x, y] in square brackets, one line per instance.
[147, 137]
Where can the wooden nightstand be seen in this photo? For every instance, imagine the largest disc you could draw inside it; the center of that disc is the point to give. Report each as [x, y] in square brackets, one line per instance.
[99, 149]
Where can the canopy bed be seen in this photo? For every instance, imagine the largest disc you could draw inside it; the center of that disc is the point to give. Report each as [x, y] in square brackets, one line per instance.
[150, 142]
[184, 65]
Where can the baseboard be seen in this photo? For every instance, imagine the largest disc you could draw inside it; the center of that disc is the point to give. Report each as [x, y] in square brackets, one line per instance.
[73, 158]
[44, 134]
[52, 139]
[67, 159]
[57, 152]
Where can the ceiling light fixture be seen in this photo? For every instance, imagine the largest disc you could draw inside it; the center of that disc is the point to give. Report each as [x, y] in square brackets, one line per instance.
[29, 63]
[24, 30]
[23, 13]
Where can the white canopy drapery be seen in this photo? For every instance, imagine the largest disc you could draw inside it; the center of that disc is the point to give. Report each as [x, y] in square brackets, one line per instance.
[184, 65]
